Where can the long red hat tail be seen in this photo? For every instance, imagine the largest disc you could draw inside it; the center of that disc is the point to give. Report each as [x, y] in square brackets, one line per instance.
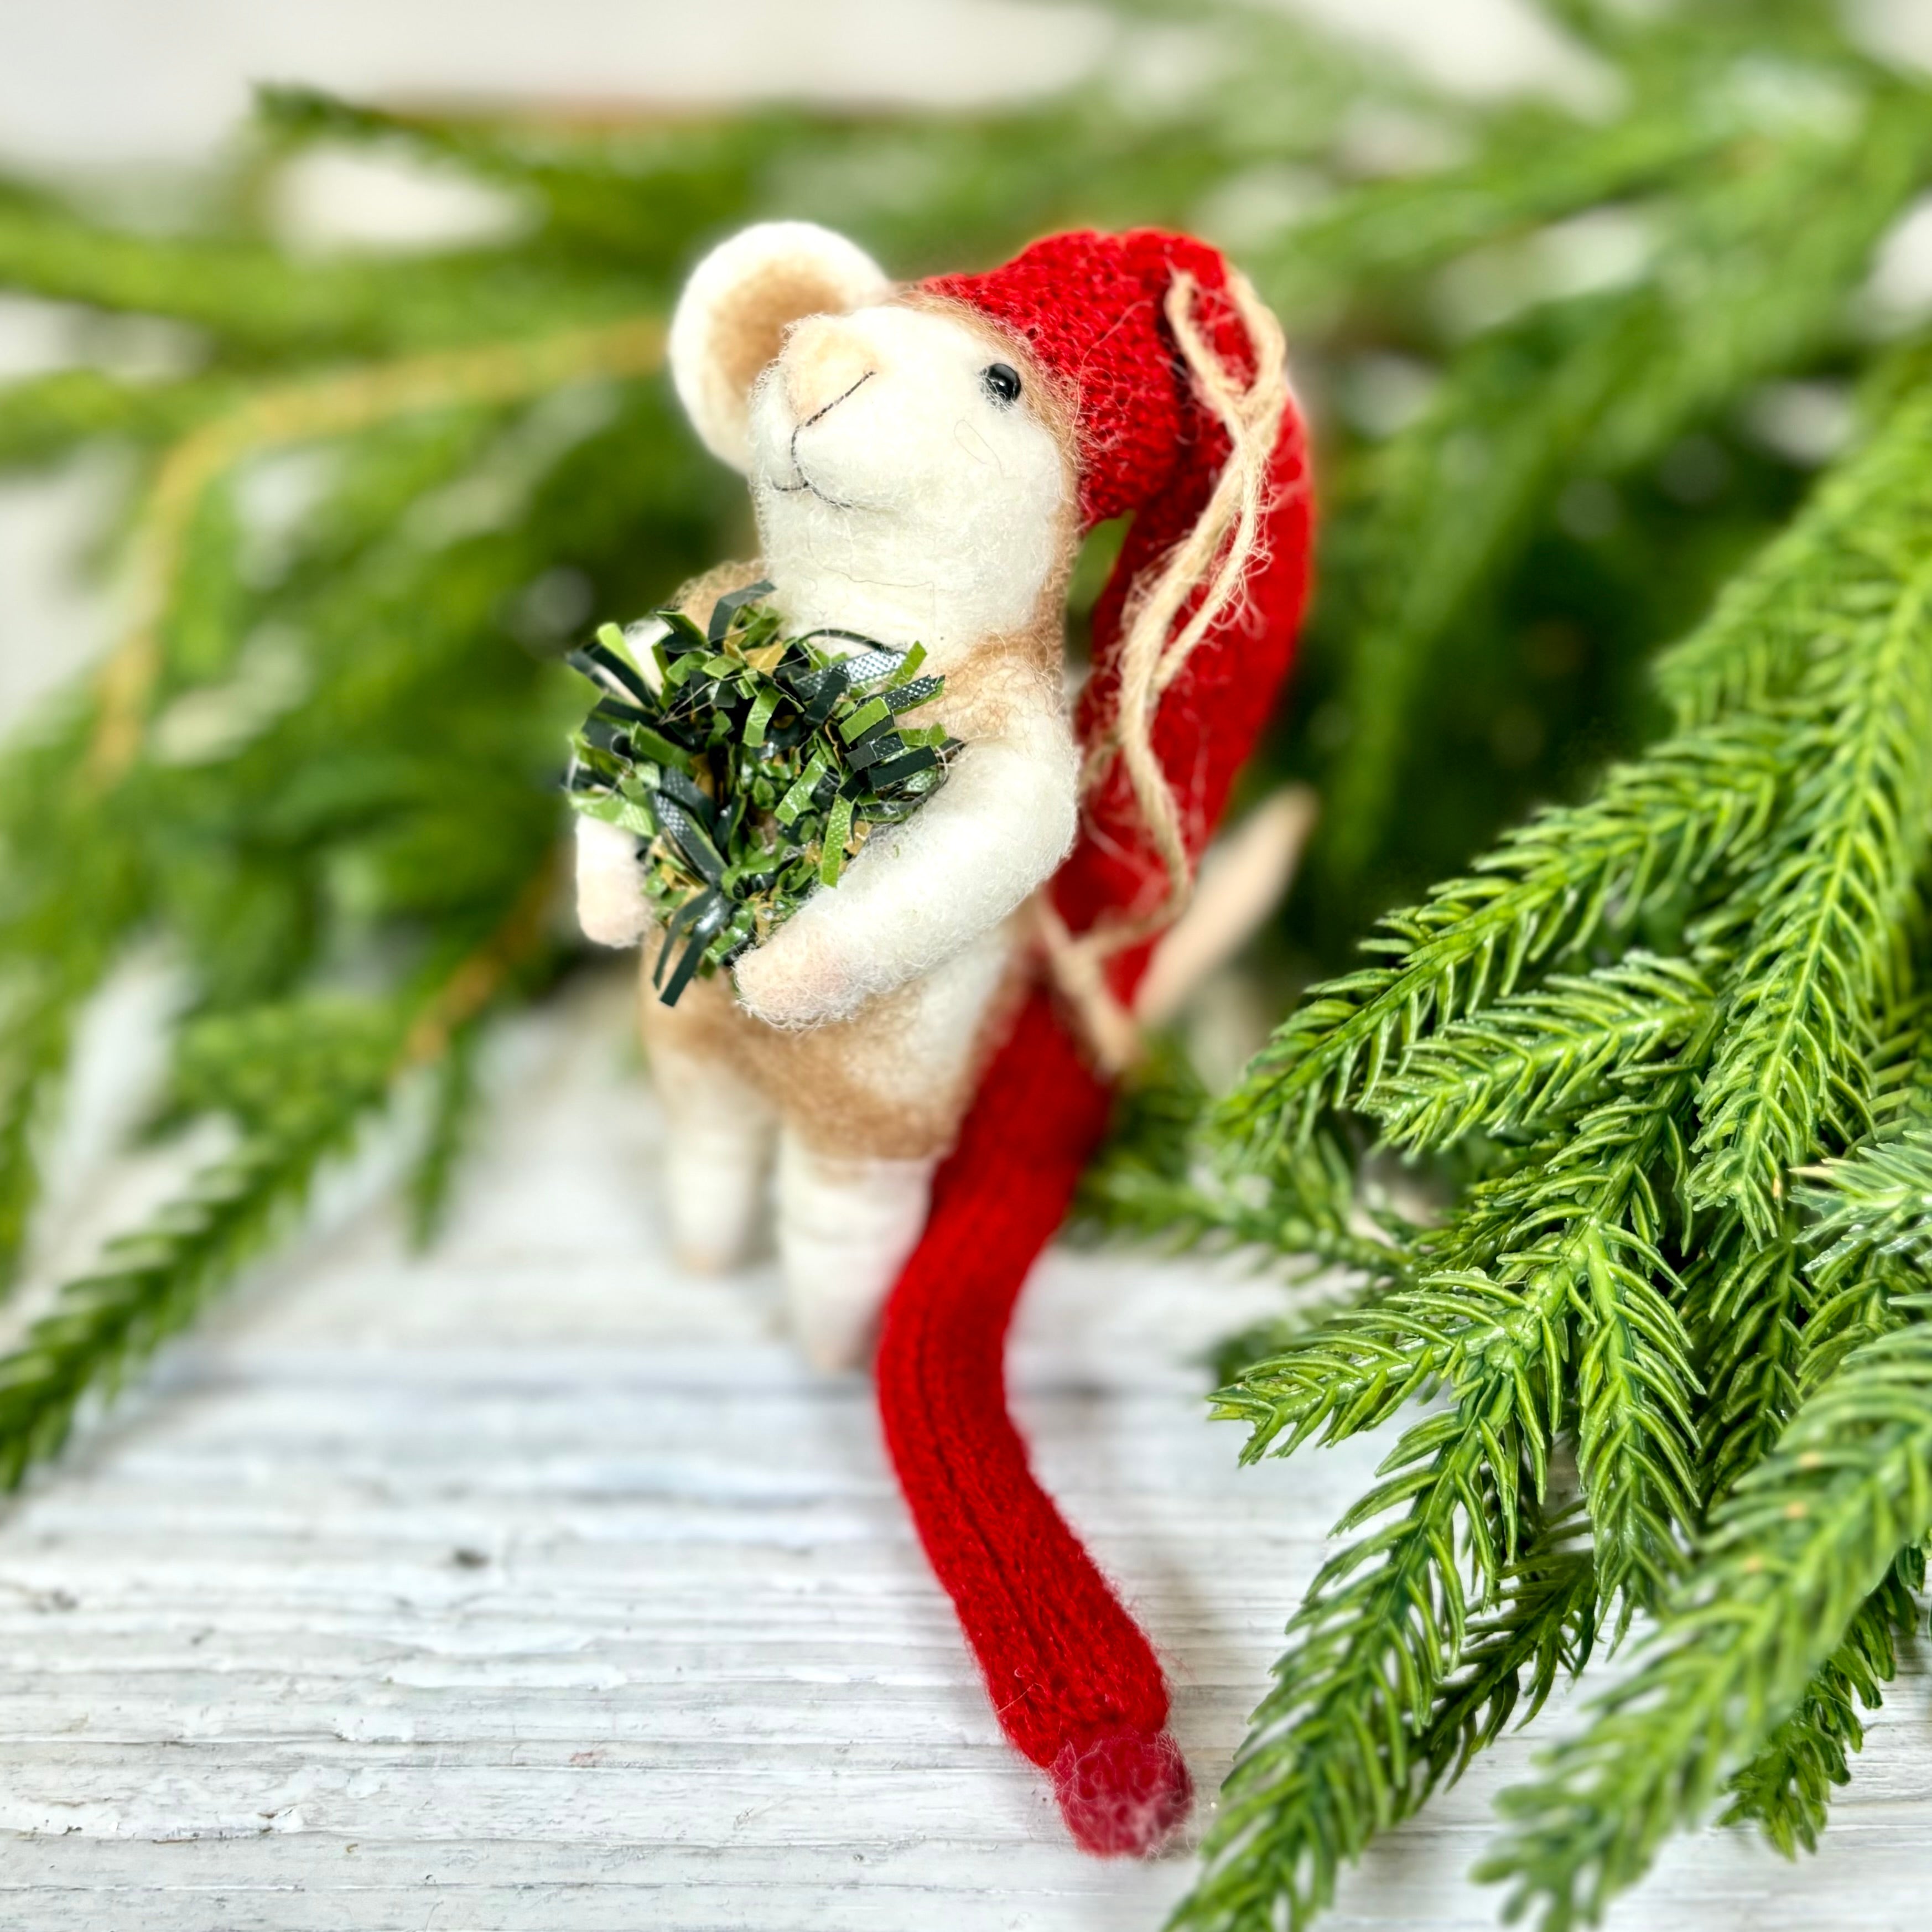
[1074, 1681]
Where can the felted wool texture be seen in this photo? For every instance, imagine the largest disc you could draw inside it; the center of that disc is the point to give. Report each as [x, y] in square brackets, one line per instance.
[611, 904]
[716, 1154]
[899, 497]
[892, 1083]
[844, 1228]
[891, 484]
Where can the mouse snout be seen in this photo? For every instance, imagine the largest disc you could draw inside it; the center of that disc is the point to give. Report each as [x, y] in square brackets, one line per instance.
[825, 359]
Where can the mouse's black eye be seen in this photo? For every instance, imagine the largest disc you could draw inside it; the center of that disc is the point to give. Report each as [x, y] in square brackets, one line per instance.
[1003, 382]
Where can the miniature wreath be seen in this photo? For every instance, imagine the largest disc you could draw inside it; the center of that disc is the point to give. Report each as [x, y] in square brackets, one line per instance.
[752, 771]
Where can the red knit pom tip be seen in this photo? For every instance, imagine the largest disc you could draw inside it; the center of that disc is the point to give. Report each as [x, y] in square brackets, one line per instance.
[1124, 1793]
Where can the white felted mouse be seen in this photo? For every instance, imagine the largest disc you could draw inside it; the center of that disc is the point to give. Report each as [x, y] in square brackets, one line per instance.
[923, 462]
[913, 481]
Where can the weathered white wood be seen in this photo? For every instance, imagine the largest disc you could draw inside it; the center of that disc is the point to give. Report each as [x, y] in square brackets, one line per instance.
[529, 1585]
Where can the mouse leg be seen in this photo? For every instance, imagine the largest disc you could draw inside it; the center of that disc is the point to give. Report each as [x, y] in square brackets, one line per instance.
[846, 1224]
[718, 1130]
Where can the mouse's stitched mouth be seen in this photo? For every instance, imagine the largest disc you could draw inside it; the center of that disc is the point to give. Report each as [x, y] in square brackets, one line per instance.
[804, 482]
[799, 470]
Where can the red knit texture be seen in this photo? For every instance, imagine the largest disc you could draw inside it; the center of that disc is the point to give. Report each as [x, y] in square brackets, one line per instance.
[1074, 1682]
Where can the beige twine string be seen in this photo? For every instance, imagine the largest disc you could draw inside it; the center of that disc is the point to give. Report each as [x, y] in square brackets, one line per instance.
[1228, 530]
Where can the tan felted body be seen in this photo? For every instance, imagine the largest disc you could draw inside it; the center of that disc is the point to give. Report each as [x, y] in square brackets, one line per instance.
[893, 1080]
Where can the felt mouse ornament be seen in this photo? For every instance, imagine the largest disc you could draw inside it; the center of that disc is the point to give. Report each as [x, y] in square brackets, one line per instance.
[929, 1046]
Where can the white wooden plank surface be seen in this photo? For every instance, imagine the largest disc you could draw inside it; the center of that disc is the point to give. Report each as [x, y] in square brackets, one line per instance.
[530, 1585]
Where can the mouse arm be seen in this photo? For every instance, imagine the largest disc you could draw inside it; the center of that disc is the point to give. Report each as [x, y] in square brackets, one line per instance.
[610, 906]
[920, 892]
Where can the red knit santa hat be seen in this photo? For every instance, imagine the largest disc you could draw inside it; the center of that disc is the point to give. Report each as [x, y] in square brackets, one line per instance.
[1181, 417]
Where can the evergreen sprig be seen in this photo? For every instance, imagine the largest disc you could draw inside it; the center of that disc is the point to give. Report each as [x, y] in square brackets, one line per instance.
[1787, 1788]
[1691, 1330]
[1788, 1565]
[1749, 270]
[295, 1080]
[150, 1283]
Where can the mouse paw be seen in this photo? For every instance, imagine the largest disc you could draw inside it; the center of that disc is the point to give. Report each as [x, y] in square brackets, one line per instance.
[796, 979]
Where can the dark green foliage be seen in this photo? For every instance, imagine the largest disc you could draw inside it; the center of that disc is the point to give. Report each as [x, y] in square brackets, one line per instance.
[1747, 270]
[297, 1080]
[1787, 1565]
[1618, 1146]
[1633, 1286]
[1156, 1181]
[1786, 1789]
[749, 769]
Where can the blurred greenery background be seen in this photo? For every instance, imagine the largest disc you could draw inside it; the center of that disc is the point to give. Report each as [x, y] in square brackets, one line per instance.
[365, 409]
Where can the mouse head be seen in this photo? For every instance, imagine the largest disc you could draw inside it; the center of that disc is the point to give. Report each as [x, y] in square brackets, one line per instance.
[912, 465]
[924, 458]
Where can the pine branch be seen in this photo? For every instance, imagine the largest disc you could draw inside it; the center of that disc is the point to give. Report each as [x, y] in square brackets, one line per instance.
[36, 1036]
[1766, 1315]
[1492, 1287]
[153, 1283]
[1746, 1305]
[1569, 1252]
[256, 299]
[1383, 232]
[1869, 1222]
[1876, 1200]
[1902, 1068]
[1768, 1362]
[650, 189]
[1836, 894]
[1593, 1213]
[453, 1106]
[43, 417]
[1453, 498]
[1660, 828]
[1545, 1623]
[305, 411]
[1793, 1554]
[1302, 1206]
[1697, 810]
[1756, 270]
[1598, 386]
[1755, 647]
[299, 1079]
[1785, 1790]
[71, 893]
[1531, 1059]
[1360, 1367]
[1331, 1751]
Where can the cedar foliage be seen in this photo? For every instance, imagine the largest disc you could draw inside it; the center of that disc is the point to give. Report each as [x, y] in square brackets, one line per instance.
[1660, 1047]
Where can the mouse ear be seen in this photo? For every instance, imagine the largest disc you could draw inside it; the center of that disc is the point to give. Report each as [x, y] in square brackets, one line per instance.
[730, 321]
